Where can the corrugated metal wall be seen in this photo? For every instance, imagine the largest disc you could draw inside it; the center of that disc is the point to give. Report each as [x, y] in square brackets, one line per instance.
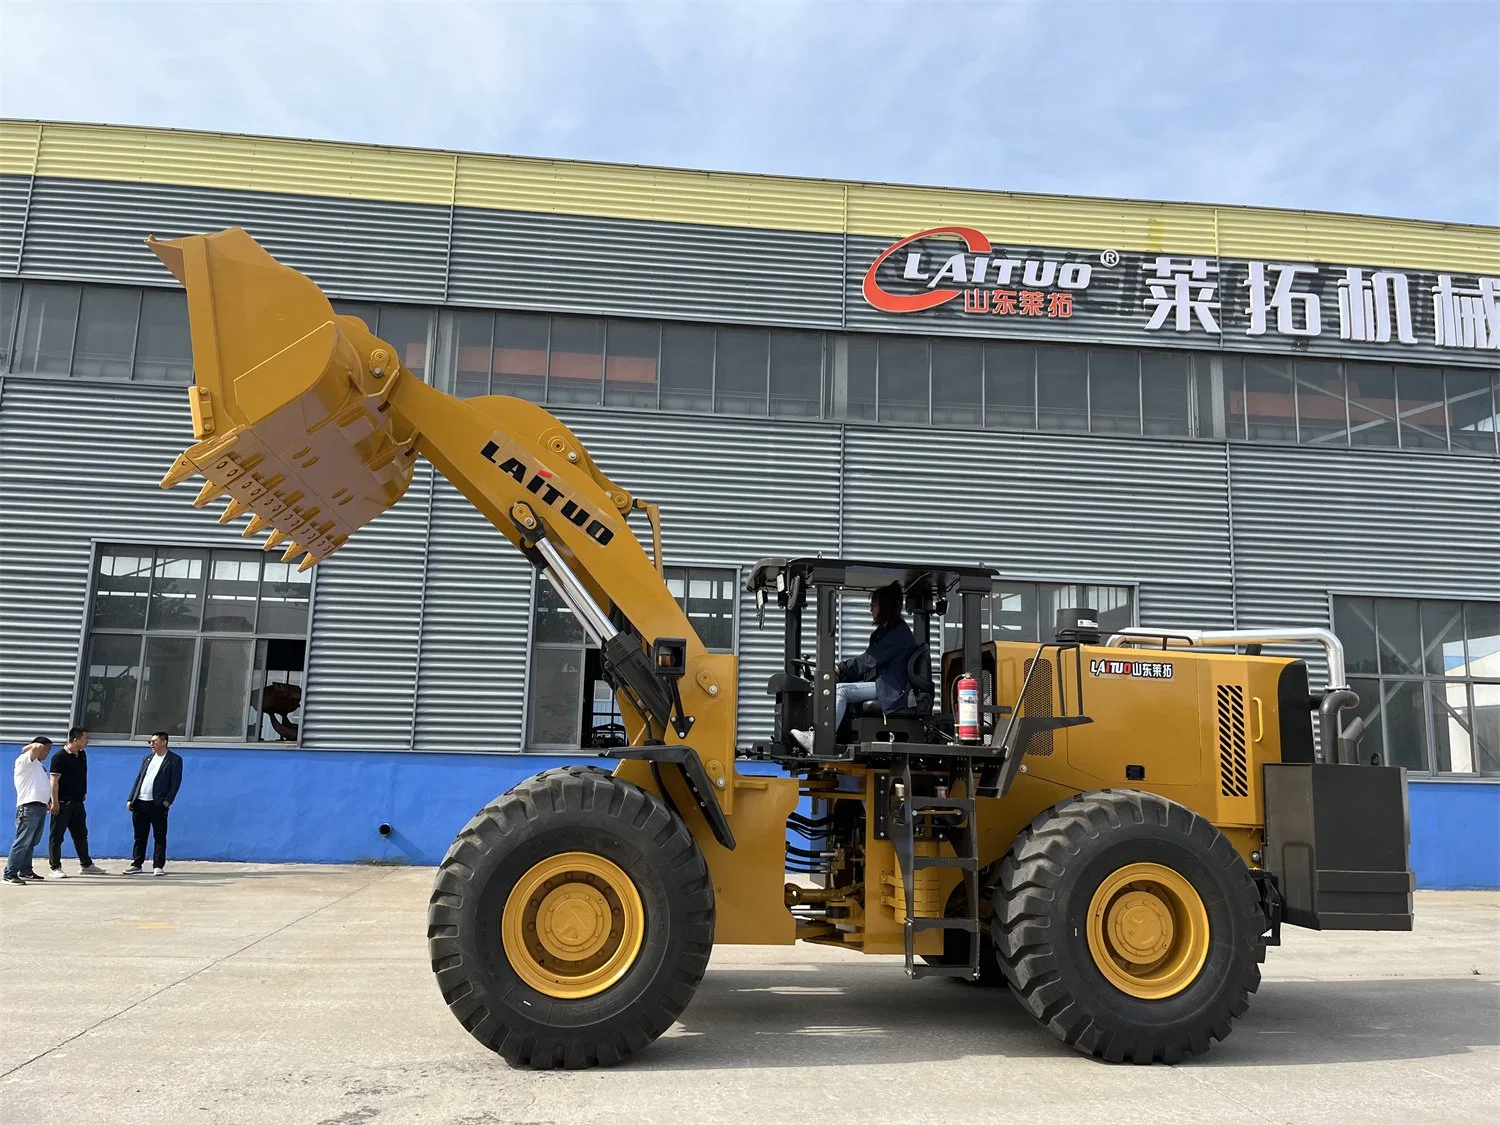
[79, 461]
[487, 257]
[14, 193]
[1310, 522]
[86, 230]
[471, 678]
[421, 624]
[362, 655]
[1050, 508]
[565, 263]
[731, 492]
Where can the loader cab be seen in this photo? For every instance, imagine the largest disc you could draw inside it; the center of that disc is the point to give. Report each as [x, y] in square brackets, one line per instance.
[824, 600]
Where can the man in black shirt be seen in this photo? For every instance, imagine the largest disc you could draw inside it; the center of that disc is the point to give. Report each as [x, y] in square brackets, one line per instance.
[70, 784]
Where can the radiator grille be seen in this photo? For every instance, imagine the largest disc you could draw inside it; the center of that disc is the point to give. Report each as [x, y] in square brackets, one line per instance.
[1036, 702]
[1234, 772]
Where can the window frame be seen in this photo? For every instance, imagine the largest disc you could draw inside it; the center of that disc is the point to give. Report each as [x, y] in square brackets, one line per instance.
[1213, 377]
[97, 545]
[1423, 678]
[733, 573]
[1038, 584]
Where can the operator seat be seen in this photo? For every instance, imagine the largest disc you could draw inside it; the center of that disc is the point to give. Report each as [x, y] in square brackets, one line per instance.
[905, 723]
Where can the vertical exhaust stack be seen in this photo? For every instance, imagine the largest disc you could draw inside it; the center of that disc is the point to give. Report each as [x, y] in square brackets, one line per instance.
[289, 401]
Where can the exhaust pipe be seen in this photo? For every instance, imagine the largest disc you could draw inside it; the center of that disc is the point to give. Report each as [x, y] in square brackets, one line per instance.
[1207, 638]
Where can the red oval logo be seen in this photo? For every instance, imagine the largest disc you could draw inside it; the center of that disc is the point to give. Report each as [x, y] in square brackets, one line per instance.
[916, 302]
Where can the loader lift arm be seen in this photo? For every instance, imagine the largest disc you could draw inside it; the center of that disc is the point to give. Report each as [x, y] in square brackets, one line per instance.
[312, 425]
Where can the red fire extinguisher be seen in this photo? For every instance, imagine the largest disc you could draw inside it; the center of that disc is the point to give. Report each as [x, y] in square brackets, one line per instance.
[968, 708]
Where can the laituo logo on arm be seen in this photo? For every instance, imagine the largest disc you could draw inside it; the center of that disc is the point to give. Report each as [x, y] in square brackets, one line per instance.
[538, 481]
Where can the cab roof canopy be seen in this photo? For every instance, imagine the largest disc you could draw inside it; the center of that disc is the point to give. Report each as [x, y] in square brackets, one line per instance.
[865, 574]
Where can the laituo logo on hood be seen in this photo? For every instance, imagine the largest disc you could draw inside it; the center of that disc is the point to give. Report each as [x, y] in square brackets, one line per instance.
[933, 267]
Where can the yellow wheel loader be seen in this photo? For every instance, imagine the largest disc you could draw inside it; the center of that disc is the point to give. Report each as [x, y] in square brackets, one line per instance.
[1113, 827]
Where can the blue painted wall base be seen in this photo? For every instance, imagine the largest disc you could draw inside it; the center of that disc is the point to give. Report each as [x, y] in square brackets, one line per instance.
[319, 806]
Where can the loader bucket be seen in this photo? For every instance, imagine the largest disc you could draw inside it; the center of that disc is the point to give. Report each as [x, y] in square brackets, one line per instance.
[288, 402]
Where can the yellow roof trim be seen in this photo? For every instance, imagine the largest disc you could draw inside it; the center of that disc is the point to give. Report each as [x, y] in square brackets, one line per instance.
[340, 170]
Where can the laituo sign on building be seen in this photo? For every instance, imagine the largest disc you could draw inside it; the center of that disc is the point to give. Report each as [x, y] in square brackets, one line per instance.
[957, 272]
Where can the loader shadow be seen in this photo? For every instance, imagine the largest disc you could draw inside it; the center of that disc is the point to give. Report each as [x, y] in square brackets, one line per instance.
[843, 1015]
[1306, 1023]
[838, 1015]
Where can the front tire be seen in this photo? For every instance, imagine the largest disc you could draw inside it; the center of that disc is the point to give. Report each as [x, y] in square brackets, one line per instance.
[1129, 927]
[571, 921]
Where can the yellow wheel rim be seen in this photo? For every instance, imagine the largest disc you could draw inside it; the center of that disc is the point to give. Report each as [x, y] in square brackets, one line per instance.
[573, 925]
[1148, 931]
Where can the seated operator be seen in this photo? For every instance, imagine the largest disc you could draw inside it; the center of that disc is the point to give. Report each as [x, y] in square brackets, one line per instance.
[879, 672]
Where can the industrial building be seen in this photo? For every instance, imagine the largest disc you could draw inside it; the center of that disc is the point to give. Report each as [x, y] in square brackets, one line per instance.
[1177, 413]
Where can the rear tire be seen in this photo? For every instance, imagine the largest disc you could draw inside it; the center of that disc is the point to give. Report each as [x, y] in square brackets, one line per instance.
[571, 921]
[1129, 927]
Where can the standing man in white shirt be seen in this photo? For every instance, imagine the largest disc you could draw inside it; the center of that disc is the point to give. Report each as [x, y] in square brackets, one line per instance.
[33, 803]
[155, 788]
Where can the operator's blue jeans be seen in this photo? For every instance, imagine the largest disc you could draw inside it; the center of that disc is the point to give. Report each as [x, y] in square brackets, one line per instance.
[848, 693]
[29, 821]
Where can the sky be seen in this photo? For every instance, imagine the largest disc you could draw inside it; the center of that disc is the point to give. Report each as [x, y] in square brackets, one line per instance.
[1373, 107]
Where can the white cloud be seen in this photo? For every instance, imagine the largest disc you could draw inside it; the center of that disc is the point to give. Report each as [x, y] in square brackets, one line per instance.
[1373, 107]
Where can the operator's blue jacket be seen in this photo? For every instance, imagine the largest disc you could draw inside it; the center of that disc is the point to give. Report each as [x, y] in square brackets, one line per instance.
[884, 662]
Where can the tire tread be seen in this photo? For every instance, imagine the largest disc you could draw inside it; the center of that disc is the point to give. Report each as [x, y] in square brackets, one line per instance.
[640, 814]
[1037, 867]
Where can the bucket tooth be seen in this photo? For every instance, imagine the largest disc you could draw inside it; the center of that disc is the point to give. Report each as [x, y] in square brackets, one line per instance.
[256, 525]
[234, 511]
[181, 469]
[208, 494]
[308, 563]
[293, 550]
[273, 540]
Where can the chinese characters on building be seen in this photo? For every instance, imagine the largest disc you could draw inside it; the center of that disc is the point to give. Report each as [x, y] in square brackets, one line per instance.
[1019, 302]
[1184, 295]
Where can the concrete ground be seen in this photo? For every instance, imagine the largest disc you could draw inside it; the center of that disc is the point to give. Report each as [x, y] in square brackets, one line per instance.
[289, 994]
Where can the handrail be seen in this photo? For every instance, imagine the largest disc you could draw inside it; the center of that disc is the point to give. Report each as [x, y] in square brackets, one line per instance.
[1337, 675]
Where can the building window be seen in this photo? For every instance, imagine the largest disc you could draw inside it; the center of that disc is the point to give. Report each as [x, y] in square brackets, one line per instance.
[1326, 402]
[205, 644]
[632, 364]
[570, 705]
[1027, 611]
[796, 374]
[636, 364]
[141, 333]
[575, 362]
[10, 299]
[1427, 673]
[101, 332]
